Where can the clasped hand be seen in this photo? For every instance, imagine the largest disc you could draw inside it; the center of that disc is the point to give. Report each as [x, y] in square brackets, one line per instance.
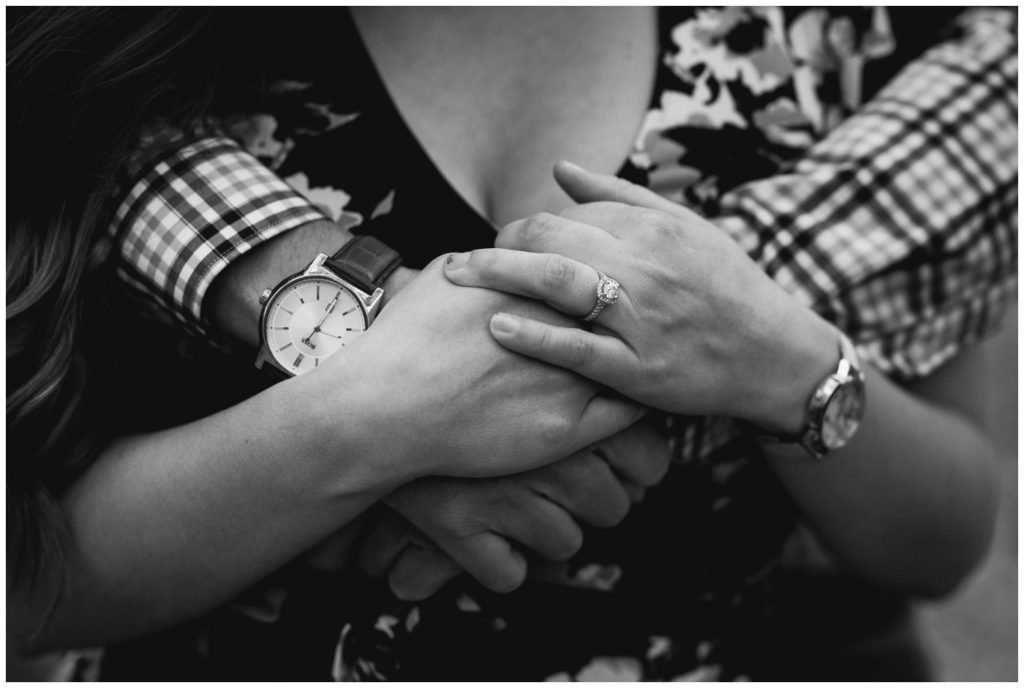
[437, 395]
[699, 328]
[440, 527]
[472, 411]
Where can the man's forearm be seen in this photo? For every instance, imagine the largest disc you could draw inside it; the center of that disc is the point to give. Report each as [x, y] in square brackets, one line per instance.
[232, 303]
[910, 502]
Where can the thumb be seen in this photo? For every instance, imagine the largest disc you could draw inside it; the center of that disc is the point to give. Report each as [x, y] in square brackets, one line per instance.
[584, 186]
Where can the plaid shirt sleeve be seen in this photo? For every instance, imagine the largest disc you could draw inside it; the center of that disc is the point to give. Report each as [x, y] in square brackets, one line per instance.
[901, 226]
[190, 215]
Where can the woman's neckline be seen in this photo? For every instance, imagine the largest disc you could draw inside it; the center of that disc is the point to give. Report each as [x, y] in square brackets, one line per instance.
[387, 97]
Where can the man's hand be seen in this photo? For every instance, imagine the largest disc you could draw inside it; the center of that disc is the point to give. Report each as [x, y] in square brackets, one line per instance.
[436, 395]
[478, 526]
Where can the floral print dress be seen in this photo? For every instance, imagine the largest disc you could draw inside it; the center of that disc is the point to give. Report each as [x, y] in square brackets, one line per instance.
[684, 588]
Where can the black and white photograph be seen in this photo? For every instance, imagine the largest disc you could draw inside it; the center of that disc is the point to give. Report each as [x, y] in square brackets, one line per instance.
[512, 343]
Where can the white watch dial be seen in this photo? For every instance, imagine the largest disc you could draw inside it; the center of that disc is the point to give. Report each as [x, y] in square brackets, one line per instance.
[309, 320]
[842, 416]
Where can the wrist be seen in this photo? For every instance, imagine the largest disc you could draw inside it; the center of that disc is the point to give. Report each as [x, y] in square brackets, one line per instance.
[233, 300]
[397, 280]
[344, 419]
[796, 370]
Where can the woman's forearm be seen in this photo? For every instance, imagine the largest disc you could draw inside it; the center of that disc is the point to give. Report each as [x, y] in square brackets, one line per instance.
[910, 501]
[166, 526]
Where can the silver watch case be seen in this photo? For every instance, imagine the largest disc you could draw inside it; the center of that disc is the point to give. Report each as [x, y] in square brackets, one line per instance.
[370, 303]
[848, 379]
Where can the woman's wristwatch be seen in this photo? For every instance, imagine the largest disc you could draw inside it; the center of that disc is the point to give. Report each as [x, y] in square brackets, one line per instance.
[834, 410]
[315, 312]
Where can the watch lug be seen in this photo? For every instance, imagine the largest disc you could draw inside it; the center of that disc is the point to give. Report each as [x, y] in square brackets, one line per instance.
[372, 303]
[317, 265]
[811, 442]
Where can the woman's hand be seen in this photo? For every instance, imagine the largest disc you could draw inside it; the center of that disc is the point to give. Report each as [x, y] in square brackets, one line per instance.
[445, 526]
[698, 327]
[430, 393]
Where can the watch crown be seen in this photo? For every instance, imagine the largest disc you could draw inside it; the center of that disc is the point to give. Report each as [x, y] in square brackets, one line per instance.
[264, 297]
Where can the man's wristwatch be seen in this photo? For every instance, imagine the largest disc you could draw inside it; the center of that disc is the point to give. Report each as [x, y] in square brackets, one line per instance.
[315, 312]
[834, 410]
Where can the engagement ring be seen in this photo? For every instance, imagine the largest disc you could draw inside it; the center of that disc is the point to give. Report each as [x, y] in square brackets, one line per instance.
[607, 294]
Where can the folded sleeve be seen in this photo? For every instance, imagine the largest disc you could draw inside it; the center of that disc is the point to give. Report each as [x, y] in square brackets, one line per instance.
[192, 213]
[901, 226]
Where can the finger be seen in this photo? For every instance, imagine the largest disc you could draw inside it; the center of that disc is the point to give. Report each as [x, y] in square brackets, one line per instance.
[543, 527]
[420, 572]
[604, 359]
[626, 221]
[385, 543]
[584, 186]
[564, 284]
[604, 416]
[586, 487]
[618, 219]
[490, 559]
[636, 493]
[547, 233]
[639, 455]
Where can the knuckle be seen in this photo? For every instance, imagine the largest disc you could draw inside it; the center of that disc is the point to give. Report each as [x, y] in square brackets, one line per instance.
[577, 349]
[555, 428]
[657, 223]
[653, 371]
[449, 518]
[537, 227]
[558, 273]
[569, 212]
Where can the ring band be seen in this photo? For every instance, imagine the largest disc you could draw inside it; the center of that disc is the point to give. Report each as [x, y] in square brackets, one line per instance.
[607, 294]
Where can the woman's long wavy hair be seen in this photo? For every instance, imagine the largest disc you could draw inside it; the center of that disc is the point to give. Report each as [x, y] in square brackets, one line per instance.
[81, 84]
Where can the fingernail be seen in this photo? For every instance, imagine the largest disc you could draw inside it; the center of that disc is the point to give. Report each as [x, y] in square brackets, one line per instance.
[572, 166]
[503, 323]
[455, 261]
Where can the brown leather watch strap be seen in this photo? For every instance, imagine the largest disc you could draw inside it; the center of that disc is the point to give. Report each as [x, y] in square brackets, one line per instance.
[365, 262]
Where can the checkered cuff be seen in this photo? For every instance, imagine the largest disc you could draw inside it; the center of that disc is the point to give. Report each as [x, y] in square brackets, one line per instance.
[192, 214]
[901, 226]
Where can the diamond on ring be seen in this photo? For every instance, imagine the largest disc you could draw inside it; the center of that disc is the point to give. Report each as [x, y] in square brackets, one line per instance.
[607, 294]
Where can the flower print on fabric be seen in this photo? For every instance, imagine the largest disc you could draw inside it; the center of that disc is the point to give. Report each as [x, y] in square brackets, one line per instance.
[749, 90]
[303, 120]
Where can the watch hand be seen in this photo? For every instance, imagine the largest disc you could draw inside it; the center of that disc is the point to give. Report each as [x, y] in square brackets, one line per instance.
[305, 340]
[327, 312]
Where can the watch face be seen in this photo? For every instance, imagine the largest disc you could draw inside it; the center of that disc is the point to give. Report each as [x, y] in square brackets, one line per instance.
[310, 319]
[842, 415]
